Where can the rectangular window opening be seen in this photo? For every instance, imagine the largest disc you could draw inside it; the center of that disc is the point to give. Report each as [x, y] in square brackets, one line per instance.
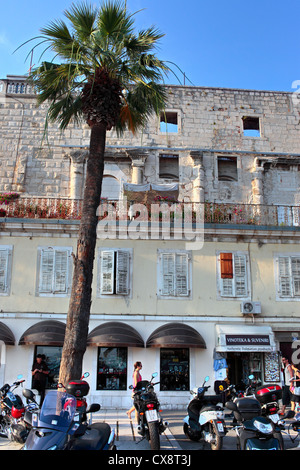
[251, 126]
[227, 169]
[169, 122]
[169, 167]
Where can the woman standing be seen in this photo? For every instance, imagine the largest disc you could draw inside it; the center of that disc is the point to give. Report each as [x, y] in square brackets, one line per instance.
[295, 385]
[136, 378]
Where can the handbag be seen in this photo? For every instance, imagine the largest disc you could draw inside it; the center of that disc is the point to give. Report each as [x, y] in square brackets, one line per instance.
[297, 391]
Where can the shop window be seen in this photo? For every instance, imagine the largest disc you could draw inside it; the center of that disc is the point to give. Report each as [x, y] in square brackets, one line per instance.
[114, 272]
[227, 169]
[174, 274]
[169, 122]
[288, 276]
[251, 126]
[169, 167]
[233, 276]
[5, 269]
[112, 369]
[54, 272]
[174, 369]
[52, 357]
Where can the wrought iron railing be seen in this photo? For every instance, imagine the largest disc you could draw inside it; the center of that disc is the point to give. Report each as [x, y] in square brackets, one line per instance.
[210, 212]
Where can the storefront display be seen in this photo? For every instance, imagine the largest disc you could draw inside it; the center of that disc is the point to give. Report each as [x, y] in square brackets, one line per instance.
[112, 369]
[174, 374]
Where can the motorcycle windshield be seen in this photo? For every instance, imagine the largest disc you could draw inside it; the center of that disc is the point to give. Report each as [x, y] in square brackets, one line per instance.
[58, 411]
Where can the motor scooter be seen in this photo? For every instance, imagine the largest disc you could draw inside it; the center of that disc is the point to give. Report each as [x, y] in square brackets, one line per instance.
[54, 427]
[254, 431]
[205, 419]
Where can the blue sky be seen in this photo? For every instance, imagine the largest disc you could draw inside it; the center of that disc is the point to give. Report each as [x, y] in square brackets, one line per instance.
[233, 44]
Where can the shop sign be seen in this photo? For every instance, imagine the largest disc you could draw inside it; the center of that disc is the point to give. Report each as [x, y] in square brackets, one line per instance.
[247, 340]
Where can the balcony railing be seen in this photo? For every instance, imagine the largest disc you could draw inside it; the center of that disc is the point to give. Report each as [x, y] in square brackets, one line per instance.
[211, 213]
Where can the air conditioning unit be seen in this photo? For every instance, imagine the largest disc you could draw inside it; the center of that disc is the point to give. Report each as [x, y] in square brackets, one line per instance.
[250, 308]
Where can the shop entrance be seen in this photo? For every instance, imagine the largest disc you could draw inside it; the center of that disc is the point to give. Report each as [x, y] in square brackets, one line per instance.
[241, 365]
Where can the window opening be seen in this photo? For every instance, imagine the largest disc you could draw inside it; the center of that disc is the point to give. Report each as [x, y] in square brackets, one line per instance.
[227, 169]
[169, 122]
[251, 126]
[169, 167]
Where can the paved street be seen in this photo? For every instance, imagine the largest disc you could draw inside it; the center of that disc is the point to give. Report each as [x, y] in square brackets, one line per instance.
[173, 438]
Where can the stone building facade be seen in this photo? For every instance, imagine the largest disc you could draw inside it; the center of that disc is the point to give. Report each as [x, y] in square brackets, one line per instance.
[235, 154]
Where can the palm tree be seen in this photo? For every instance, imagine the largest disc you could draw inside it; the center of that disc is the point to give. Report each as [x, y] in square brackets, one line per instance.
[108, 75]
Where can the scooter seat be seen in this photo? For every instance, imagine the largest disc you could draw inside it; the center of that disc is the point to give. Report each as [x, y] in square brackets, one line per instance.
[95, 438]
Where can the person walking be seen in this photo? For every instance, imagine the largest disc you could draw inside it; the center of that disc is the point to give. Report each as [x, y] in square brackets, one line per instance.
[40, 372]
[288, 374]
[136, 378]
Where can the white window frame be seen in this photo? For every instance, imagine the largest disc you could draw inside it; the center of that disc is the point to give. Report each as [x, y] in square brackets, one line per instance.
[5, 269]
[51, 290]
[221, 294]
[113, 285]
[283, 261]
[174, 291]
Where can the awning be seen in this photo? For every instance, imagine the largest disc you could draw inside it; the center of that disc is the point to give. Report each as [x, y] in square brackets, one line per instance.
[45, 333]
[244, 338]
[175, 335]
[115, 334]
[6, 335]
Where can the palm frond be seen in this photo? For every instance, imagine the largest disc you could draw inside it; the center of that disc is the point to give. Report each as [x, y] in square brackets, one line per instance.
[96, 44]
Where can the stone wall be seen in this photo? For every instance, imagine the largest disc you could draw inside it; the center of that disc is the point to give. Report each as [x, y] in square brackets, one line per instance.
[209, 135]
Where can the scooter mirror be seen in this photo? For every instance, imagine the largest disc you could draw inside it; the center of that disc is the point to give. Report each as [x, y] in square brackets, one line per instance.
[130, 387]
[20, 376]
[251, 377]
[206, 378]
[155, 374]
[86, 374]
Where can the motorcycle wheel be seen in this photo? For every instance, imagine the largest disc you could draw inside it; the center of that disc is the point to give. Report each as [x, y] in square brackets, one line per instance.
[154, 436]
[217, 441]
[192, 436]
[5, 427]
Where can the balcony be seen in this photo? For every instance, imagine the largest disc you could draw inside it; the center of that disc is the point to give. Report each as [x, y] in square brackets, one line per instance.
[210, 213]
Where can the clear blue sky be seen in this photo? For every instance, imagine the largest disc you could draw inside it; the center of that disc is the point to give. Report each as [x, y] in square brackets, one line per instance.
[235, 44]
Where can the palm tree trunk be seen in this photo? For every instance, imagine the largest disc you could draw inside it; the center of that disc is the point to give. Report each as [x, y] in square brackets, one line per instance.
[80, 301]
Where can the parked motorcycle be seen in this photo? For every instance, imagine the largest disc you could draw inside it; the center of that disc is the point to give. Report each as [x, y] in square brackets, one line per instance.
[55, 427]
[205, 419]
[12, 412]
[79, 389]
[150, 424]
[254, 431]
[269, 396]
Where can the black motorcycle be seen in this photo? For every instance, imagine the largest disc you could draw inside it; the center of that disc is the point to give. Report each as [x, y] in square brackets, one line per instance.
[12, 413]
[205, 419]
[254, 431]
[150, 424]
[55, 427]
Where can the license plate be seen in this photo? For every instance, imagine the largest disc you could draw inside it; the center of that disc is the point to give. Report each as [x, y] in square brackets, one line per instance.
[274, 418]
[151, 415]
[220, 427]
